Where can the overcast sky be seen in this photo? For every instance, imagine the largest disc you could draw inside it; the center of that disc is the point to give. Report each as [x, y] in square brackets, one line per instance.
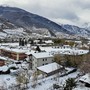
[61, 11]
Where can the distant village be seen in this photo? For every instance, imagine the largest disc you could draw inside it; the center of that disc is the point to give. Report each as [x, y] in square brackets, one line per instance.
[45, 64]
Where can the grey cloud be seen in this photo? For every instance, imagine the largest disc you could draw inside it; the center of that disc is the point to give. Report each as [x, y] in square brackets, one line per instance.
[58, 13]
[84, 4]
[71, 10]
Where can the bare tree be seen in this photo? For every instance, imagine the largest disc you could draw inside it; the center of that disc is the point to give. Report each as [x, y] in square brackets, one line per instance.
[34, 79]
[22, 80]
[85, 67]
[58, 58]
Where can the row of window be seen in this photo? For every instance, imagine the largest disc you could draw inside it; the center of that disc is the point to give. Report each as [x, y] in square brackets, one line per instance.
[45, 59]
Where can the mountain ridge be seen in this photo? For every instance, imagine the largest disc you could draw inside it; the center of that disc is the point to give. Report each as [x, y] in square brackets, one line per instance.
[34, 23]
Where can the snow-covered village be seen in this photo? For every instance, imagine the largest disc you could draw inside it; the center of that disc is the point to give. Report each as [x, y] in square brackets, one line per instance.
[44, 44]
[42, 64]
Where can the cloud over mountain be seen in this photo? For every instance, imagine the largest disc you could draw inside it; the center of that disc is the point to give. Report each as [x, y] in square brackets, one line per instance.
[71, 11]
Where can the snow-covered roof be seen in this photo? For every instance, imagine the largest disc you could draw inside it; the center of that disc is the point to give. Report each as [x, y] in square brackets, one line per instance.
[49, 41]
[49, 67]
[62, 50]
[16, 49]
[42, 55]
[69, 69]
[4, 68]
[10, 44]
[30, 52]
[78, 42]
[3, 58]
[85, 78]
[19, 50]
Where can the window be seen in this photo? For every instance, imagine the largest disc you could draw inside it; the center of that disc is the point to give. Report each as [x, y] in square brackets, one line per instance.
[43, 59]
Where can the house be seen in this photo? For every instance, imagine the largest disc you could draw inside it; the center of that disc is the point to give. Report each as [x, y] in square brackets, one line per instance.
[85, 80]
[40, 59]
[13, 53]
[49, 42]
[50, 69]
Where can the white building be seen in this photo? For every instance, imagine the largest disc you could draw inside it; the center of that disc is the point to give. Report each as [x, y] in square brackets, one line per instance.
[40, 59]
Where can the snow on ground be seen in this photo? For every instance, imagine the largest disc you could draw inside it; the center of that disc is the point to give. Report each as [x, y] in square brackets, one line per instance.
[2, 35]
[49, 81]
[8, 79]
[44, 84]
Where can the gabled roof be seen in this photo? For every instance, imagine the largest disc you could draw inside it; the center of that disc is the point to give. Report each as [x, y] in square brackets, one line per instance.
[49, 67]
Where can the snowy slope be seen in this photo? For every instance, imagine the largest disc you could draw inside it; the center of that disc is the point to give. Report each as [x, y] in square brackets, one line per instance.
[77, 30]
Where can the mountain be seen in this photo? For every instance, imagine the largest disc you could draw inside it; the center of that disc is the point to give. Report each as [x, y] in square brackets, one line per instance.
[18, 22]
[5, 24]
[86, 25]
[75, 30]
[28, 20]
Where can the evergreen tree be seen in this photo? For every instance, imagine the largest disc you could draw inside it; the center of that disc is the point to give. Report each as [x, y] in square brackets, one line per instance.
[34, 79]
[70, 84]
[20, 41]
[40, 41]
[32, 42]
[38, 49]
[25, 42]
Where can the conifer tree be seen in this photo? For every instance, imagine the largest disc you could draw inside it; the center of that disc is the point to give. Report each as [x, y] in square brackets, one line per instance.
[38, 49]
